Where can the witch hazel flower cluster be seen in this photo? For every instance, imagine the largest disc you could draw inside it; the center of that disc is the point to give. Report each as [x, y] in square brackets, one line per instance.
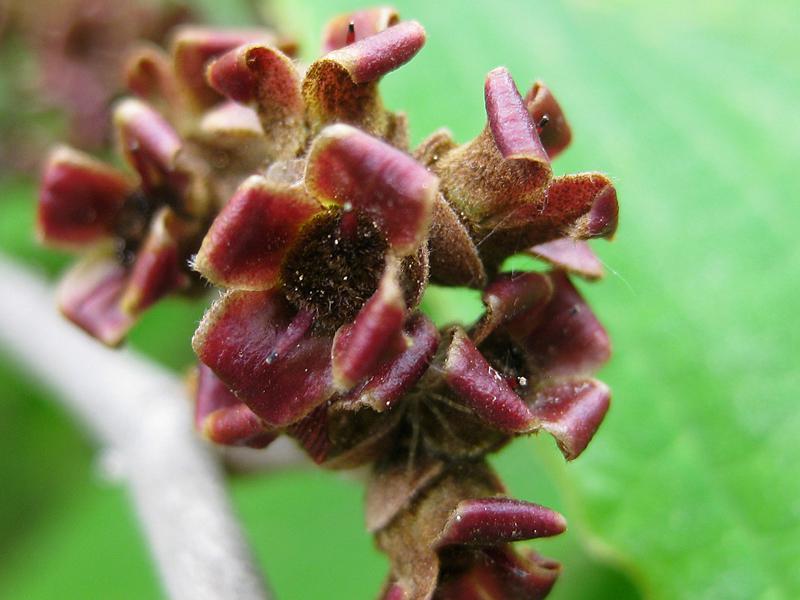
[324, 248]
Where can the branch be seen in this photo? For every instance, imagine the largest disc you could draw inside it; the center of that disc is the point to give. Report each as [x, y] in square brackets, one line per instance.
[141, 413]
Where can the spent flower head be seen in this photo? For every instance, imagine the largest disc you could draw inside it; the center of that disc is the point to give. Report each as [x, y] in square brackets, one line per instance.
[324, 231]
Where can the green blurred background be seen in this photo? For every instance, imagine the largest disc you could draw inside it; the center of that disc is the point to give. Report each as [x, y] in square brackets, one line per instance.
[691, 487]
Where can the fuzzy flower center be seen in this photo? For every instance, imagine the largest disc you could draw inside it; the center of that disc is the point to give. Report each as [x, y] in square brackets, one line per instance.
[335, 267]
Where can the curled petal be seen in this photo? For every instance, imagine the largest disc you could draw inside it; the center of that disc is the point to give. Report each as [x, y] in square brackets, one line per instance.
[80, 198]
[222, 417]
[510, 296]
[571, 412]
[89, 296]
[568, 341]
[395, 377]
[493, 521]
[573, 256]
[359, 172]
[502, 574]
[482, 388]
[546, 113]
[495, 179]
[342, 85]
[579, 206]
[148, 74]
[194, 47]
[237, 426]
[265, 78]
[246, 244]
[158, 269]
[339, 32]
[149, 143]
[267, 354]
[311, 432]
[376, 331]
[586, 204]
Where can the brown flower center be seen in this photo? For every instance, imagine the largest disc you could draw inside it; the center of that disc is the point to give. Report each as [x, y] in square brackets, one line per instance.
[333, 270]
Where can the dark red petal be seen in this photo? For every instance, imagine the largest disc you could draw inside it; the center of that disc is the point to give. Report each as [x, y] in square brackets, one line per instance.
[510, 296]
[149, 143]
[90, 295]
[265, 78]
[574, 256]
[341, 87]
[512, 129]
[246, 244]
[493, 521]
[502, 574]
[579, 206]
[396, 376]
[356, 171]
[158, 269]
[584, 203]
[376, 331]
[238, 426]
[555, 133]
[267, 354]
[148, 74]
[365, 23]
[194, 47]
[482, 388]
[569, 340]
[375, 56]
[222, 417]
[572, 413]
[497, 180]
[80, 198]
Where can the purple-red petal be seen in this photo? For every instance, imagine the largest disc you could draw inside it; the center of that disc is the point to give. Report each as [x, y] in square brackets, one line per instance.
[373, 57]
[494, 521]
[194, 47]
[375, 332]
[572, 412]
[508, 297]
[502, 574]
[222, 417]
[158, 269]
[396, 376]
[514, 133]
[337, 32]
[574, 256]
[359, 172]
[80, 198]
[568, 340]
[555, 132]
[482, 388]
[267, 353]
[246, 244]
[90, 294]
[149, 144]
